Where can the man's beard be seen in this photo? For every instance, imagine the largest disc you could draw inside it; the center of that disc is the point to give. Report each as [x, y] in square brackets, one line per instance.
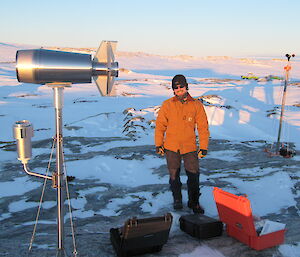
[182, 97]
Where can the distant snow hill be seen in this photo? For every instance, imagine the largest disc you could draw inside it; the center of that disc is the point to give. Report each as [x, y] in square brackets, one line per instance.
[209, 66]
[8, 51]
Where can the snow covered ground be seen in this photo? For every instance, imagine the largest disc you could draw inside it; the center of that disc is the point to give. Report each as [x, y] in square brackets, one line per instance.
[109, 149]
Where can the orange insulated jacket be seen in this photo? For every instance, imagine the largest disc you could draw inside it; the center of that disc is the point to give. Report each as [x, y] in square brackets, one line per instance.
[176, 124]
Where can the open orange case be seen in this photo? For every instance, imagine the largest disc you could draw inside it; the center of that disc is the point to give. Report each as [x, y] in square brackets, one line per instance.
[236, 212]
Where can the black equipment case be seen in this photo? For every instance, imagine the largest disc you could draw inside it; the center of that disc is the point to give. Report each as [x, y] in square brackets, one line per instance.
[140, 236]
[200, 226]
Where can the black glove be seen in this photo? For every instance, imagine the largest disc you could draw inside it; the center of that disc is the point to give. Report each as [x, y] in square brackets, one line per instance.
[160, 150]
[201, 153]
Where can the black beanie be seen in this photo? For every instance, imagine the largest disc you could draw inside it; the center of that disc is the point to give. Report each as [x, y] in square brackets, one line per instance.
[179, 80]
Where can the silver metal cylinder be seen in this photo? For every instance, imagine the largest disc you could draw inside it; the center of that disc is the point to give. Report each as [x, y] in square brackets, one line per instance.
[40, 66]
[58, 97]
[101, 69]
[23, 132]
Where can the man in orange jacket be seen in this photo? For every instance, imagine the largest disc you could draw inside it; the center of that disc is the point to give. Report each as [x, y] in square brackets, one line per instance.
[175, 136]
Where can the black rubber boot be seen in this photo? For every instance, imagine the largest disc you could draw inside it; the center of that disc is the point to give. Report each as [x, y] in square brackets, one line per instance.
[177, 205]
[175, 186]
[194, 192]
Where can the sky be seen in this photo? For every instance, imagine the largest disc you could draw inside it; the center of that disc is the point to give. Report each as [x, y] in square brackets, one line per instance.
[164, 27]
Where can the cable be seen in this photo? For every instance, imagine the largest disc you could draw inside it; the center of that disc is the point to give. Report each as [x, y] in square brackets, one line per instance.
[274, 113]
[41, 199]
[70, 209]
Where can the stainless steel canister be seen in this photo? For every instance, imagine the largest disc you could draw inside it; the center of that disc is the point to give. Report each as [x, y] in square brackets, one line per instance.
[40, 66]
[23, 132]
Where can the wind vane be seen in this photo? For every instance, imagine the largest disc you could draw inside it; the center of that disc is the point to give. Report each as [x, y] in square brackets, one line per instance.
[284, 149]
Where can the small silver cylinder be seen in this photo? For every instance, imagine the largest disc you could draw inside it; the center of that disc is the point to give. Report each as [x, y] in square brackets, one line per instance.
[23, 132]
[101, 69]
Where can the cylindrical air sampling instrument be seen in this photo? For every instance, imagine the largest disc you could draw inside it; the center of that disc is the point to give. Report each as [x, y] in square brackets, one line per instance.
[23, 132]
[41, 66]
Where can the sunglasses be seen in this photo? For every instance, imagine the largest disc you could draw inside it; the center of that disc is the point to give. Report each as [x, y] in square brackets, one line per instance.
[179, 86]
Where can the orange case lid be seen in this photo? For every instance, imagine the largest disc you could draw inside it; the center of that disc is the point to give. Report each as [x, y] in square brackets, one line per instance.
[235, 211]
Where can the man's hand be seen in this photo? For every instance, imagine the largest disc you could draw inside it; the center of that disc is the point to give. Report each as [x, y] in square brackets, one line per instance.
[160, 150]
[202, 153]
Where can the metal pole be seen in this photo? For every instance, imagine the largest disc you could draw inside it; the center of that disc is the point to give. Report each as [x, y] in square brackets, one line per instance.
[58, 104]
[287, 68]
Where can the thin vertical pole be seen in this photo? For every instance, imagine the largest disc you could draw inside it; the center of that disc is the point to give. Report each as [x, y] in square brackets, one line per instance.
[287, 68]
[58, 104]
